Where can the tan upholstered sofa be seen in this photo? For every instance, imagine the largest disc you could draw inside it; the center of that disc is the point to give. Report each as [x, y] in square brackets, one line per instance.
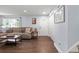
[25, 32]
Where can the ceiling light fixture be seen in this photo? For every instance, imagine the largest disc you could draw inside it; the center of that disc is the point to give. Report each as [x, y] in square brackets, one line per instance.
[43, 12]
[25, 11]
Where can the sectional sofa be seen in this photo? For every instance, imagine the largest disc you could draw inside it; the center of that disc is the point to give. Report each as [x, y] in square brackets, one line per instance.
[25, 32]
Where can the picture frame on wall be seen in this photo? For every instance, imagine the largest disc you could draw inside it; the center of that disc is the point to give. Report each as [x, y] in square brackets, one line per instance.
[59, 15]
[33, 20]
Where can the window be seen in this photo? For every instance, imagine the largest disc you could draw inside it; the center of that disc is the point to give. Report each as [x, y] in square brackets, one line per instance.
[11, 22]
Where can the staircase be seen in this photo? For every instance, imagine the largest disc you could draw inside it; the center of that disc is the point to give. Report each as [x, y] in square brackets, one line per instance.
[74, 49]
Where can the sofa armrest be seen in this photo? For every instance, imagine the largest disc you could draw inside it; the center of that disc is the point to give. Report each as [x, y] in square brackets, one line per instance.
[34, 34]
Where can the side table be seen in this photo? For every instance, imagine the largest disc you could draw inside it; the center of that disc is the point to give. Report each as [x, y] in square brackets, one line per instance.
[35, 35]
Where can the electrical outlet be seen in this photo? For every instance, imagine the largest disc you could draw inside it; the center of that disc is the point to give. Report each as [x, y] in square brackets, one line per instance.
[59, 43]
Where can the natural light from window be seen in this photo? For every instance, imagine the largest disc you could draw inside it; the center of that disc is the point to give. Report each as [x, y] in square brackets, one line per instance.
[11, 22]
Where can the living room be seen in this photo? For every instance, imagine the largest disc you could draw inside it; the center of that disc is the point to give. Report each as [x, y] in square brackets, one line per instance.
[39, 28]
[25, 25]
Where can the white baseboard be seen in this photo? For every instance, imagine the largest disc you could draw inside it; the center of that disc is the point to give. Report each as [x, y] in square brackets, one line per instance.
[68, 50]
[73, 46]
[59, 50]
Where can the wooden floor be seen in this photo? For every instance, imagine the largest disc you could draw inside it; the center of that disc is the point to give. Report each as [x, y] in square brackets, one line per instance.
[40, 45]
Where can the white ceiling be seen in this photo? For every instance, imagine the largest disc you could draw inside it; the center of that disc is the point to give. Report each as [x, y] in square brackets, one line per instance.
[31, 9]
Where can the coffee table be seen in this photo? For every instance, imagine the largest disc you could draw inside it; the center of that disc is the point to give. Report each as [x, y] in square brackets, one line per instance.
[3, 40]
[14, 38]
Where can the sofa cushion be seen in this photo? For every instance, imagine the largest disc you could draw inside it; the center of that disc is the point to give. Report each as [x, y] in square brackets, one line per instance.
[16, 30]
[9, 30]
[28, 30]
[22, 29]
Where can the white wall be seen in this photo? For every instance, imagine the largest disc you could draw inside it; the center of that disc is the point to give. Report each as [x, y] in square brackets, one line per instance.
[66, 34]
[58, 32]
[73, 25]
[41, 25]
[26, 21]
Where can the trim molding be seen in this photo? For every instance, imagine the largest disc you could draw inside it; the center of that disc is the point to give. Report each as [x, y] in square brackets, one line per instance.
[68, 50]
[72, 46]
[59, 50]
